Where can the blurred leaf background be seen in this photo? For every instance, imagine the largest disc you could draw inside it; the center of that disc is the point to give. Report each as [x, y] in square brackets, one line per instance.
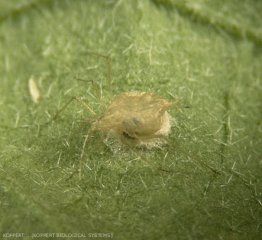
[205, 53]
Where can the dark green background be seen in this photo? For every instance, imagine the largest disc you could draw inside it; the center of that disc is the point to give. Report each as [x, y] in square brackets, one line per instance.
[207, 54]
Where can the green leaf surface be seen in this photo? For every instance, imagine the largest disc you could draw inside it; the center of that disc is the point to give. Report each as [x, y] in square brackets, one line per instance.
[206, 54]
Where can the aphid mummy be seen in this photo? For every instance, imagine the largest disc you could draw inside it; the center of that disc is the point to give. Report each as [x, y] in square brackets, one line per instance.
[133, 119]
[136, 119]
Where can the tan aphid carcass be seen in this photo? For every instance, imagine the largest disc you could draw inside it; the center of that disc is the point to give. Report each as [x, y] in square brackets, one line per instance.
[136, 119]
[133, 119]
